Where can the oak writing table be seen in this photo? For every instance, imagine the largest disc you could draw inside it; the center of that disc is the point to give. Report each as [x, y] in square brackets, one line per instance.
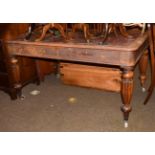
[119, 51]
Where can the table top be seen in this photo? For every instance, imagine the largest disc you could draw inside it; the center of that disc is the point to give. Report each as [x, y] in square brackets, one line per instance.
[116, 50]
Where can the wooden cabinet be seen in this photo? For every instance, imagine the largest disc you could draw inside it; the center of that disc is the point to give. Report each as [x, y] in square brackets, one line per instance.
[31, 70]
[27, 66]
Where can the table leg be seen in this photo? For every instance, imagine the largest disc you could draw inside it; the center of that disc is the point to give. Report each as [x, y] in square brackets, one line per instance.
[143, 64]
[126, 93]
[16, 76]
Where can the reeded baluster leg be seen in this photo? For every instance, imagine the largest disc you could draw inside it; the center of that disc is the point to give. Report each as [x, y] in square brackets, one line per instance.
[16, 76]
[143, 64]
[126, 93]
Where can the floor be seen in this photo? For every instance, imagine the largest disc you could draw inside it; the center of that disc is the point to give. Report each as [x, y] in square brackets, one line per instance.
[61, 107]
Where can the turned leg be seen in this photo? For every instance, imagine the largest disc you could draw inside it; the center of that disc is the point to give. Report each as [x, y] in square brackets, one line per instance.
[84, 28]
[124, 31]
[16, 76]
[45, 29]
[126, 93]
[61, 30]
[143, 64]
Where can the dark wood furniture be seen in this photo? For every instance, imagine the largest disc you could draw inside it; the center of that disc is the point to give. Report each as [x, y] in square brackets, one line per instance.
[28, 70]
[120, 52]
[29, 67]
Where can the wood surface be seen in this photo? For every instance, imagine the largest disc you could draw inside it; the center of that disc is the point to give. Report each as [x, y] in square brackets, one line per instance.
[91, 76]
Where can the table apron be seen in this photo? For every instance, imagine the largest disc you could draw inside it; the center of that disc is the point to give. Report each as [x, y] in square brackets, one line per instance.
[98, 56]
